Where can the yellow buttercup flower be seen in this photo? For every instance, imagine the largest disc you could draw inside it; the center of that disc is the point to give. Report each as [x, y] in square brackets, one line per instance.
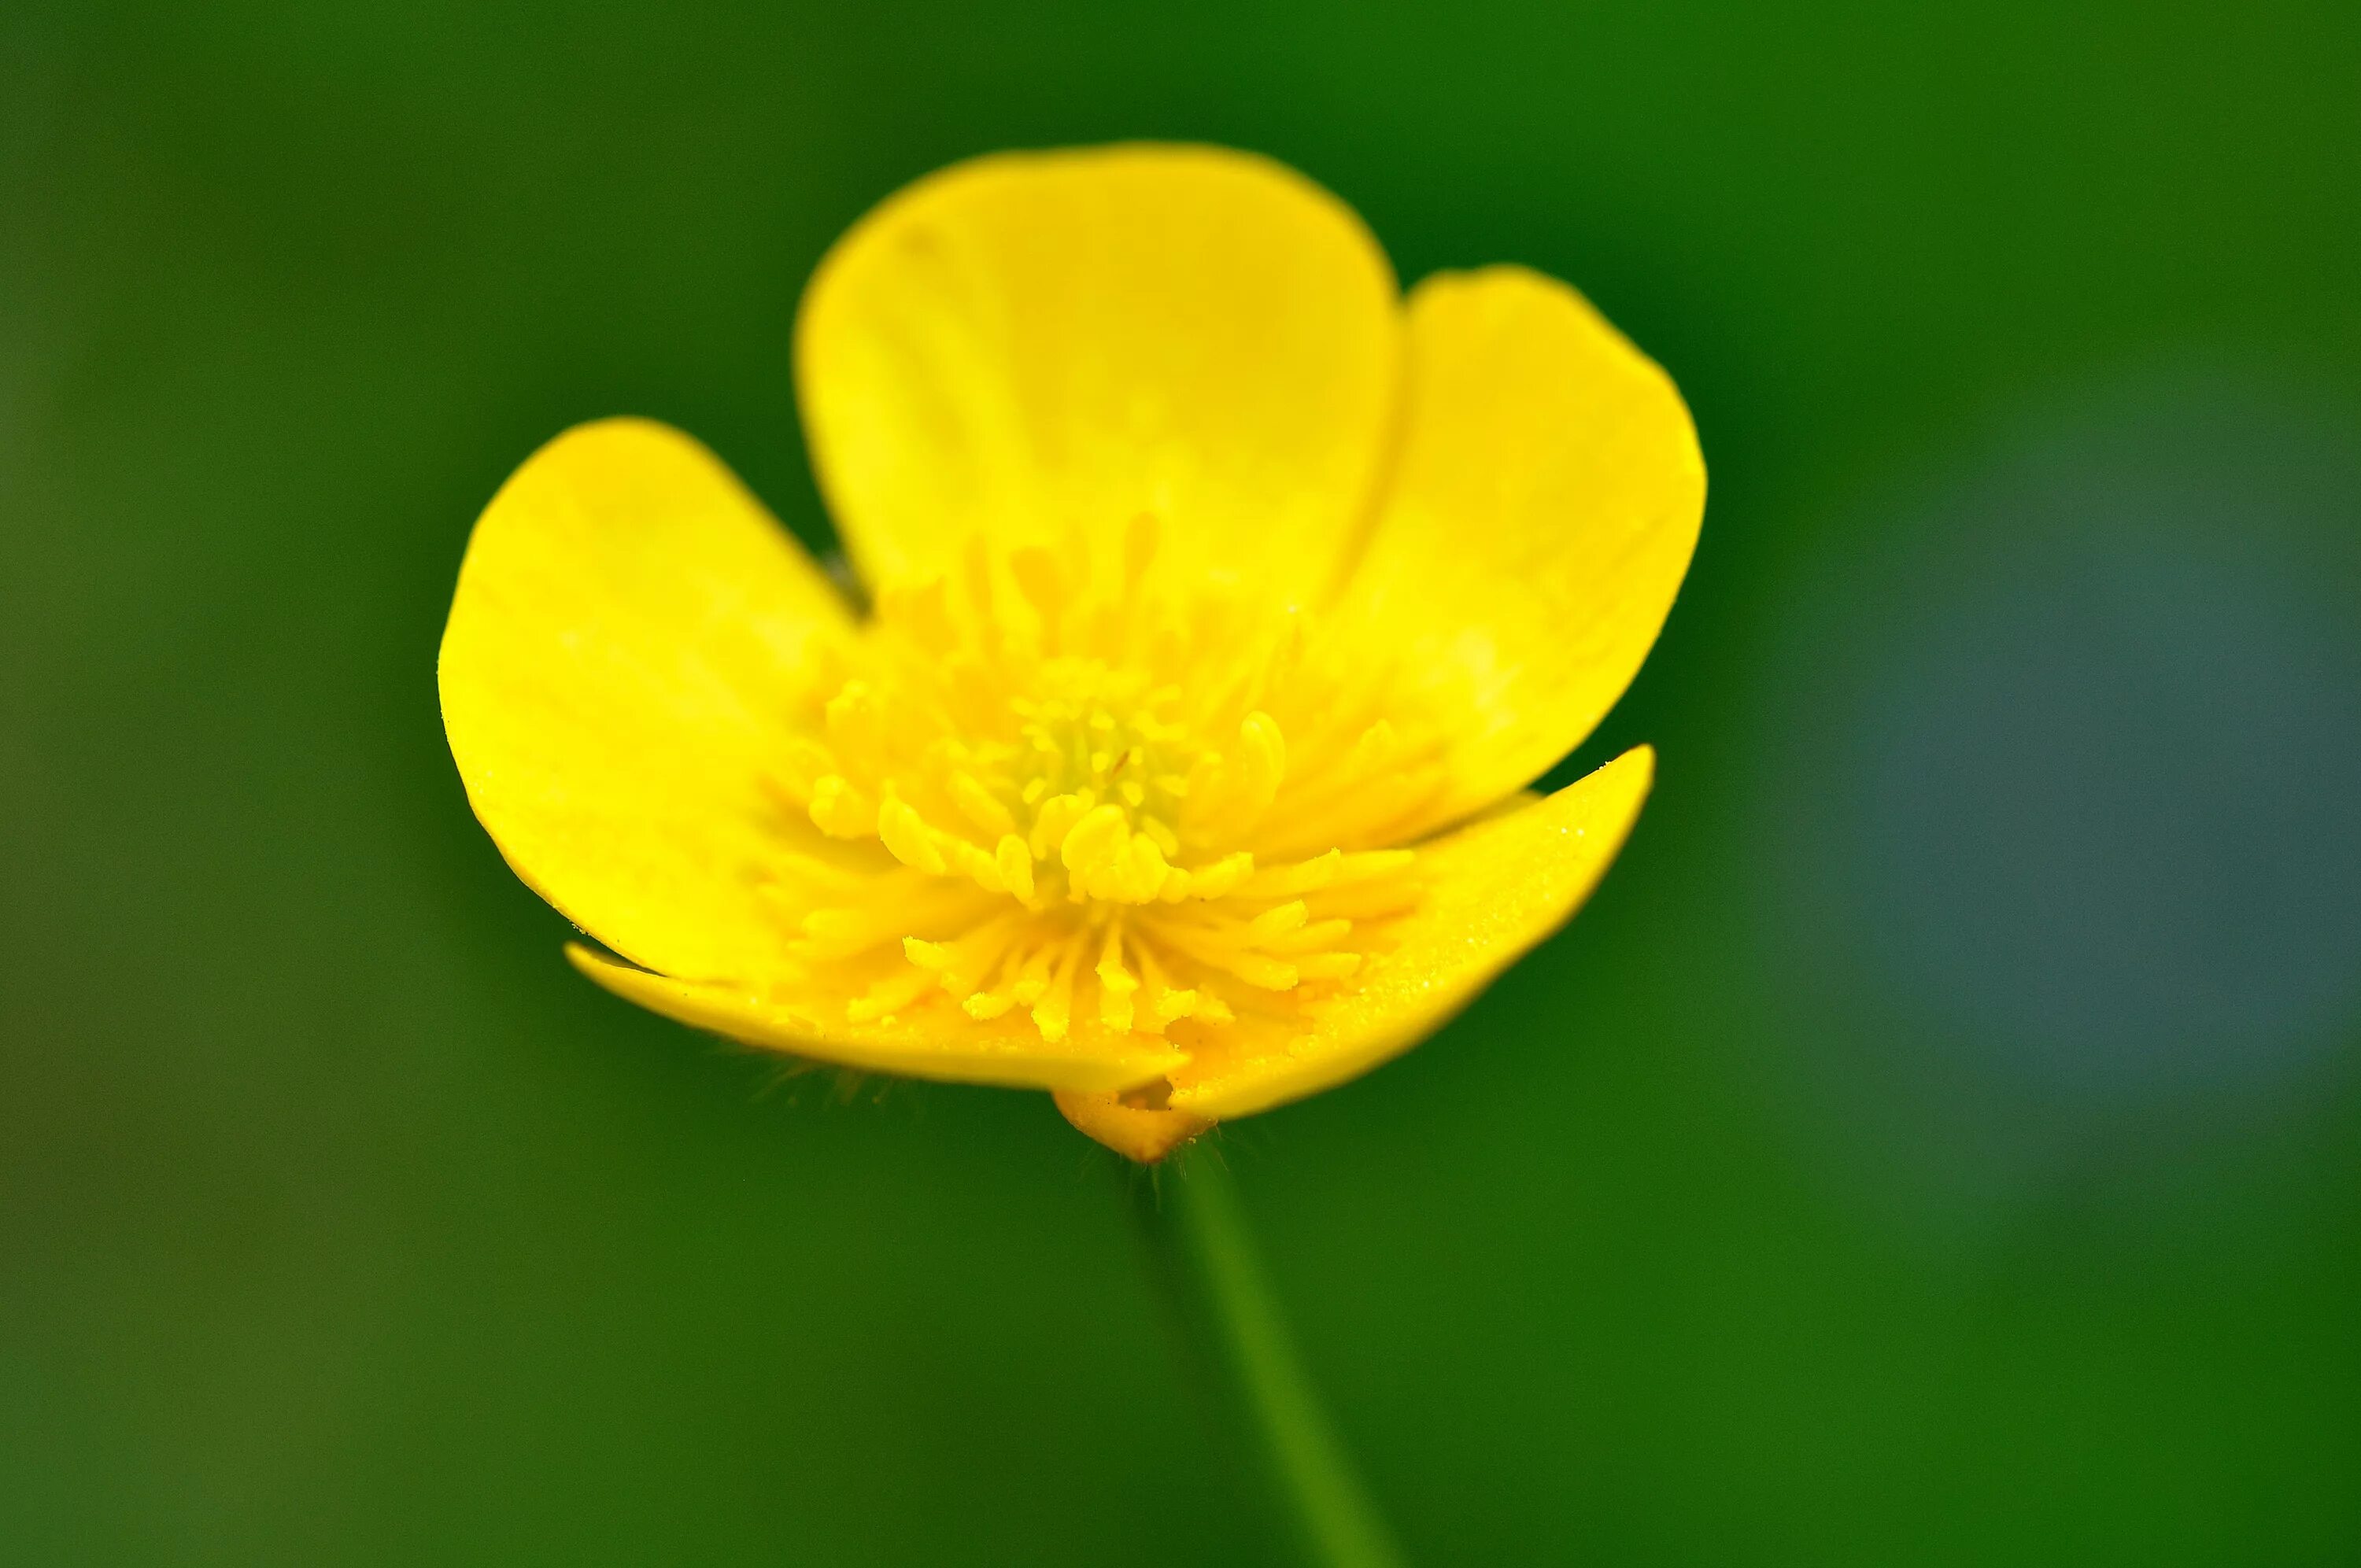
[1225, 602]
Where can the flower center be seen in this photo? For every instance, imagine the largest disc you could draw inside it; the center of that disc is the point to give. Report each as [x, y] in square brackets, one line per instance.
[1117, 804]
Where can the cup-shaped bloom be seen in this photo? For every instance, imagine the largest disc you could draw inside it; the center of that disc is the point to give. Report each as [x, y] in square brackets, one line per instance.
[1225, 604]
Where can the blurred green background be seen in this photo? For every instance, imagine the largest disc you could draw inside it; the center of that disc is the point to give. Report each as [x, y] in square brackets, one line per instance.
[1936, 1144]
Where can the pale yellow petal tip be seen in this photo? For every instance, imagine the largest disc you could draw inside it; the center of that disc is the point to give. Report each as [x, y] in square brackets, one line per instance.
[590, 961]
[1634, 771]
[1136, 1133]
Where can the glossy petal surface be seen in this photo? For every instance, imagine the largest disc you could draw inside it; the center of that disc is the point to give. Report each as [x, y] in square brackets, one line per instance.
[1033, 344]
[1542, 513]
[1493, 890]
[631, 640]
[1013, 1055]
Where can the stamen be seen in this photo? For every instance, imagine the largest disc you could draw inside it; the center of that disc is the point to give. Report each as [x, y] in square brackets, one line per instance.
[1115, 983]
[840, 810]
[988, 815]
[907, 835]
[1015, 863]
[889, 996]
[1277, 922]
[1053, 1012]
[1071, 787]
[1309, 938]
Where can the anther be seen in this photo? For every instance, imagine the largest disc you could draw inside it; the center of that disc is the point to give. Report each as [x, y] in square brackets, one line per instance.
[907, 835]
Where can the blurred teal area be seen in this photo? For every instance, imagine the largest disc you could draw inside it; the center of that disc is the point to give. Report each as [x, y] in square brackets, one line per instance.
[1939, 1142]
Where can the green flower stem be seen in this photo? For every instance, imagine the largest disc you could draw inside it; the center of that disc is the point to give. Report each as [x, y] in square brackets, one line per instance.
[1192, 1216]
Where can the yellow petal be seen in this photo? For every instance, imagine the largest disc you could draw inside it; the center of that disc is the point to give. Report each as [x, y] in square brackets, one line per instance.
[1035, 342]
[1010, 1052]
[1539, 522]
[1492, 889]
[1137, 1132]
[630, 638]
